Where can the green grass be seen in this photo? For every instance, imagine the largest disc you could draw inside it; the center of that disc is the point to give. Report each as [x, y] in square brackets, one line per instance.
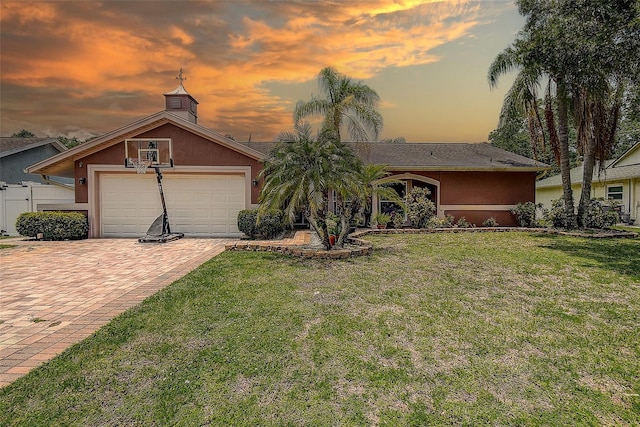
[442, 329]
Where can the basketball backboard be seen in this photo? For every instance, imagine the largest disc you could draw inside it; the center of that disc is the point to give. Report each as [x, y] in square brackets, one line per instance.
[156, 152]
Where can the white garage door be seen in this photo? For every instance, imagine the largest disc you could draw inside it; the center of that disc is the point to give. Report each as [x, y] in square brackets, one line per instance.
[198, 205]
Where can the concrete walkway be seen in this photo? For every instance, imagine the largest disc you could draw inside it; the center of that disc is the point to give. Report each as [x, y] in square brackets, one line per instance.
[55, 294]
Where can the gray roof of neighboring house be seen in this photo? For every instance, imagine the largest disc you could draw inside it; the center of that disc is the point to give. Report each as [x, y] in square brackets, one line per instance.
[435, 156]
[608, 174]
[11, 145]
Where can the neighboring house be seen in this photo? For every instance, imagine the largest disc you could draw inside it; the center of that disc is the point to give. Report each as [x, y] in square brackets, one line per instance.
[27, 192]
[18, 153]
[214, 177]
[619, 181]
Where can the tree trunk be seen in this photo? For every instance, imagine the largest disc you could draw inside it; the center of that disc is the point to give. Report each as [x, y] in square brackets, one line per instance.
[565, 167]
[587, 176]
[320, 227]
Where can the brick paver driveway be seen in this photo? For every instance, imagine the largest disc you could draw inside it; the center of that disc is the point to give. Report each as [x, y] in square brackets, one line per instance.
[54, 294]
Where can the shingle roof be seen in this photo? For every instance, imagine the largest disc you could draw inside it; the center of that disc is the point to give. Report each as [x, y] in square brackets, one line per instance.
[607, 175]
[11, 145]
[435, 156]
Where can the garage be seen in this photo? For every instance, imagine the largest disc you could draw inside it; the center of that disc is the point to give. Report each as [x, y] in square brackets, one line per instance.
[199, 205]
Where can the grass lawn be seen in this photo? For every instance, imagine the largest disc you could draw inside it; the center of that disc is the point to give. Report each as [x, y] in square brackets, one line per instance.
[441, 329]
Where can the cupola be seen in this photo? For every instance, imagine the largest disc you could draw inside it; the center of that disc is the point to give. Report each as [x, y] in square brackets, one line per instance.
[180, 103]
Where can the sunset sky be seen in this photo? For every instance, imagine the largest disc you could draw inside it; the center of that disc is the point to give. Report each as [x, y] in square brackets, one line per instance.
[83, 68]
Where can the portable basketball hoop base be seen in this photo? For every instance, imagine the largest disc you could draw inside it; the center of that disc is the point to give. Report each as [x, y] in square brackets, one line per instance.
[160, 230]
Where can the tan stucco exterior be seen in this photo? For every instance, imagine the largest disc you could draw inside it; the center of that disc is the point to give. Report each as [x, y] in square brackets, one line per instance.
[623, 172]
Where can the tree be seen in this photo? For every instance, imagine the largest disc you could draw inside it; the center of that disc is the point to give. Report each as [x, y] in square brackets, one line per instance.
[398, 140]
[23, 134]
[583, 50]
[301, 170]
[344, 103]
[69, 142]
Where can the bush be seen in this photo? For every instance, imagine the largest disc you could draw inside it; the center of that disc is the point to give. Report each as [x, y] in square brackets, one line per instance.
[53, 225]
[463, 223]
[270, 225]
[435, 222]
[601, 215]
[419, 208]
[490, 222]
[557, 215]
[397, 219]
[247, 222]
[526, 213]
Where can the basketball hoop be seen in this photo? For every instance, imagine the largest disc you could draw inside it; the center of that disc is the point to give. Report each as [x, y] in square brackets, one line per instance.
[140, 165]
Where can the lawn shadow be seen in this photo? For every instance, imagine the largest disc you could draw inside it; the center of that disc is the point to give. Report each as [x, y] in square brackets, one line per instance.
[620, 255]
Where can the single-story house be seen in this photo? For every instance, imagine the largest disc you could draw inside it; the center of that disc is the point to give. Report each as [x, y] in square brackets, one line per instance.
[18, 153]
[213, 177]
[619, 181]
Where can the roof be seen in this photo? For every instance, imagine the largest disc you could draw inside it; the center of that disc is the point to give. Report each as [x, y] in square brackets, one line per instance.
[180, 90]
[608, 174]
[611, 172]
[435, 156]
[12, 145]
[63, 164]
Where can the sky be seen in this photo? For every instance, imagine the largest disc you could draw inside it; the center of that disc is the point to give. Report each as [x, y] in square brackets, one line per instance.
[83, 68]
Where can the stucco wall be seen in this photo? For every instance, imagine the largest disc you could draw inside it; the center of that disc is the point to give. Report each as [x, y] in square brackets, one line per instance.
[630, 194]
[188, 150]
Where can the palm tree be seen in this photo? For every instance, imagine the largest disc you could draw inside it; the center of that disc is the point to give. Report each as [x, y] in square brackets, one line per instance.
[345, 102]
[301, 170]
[532, 54]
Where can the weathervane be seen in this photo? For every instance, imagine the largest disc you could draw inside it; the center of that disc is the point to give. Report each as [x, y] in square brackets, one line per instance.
[180, 77]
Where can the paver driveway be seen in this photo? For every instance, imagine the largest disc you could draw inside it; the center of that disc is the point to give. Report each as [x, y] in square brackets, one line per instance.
[54, 294]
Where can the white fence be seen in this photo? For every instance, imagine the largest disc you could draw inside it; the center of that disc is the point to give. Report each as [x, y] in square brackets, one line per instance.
[27, 197]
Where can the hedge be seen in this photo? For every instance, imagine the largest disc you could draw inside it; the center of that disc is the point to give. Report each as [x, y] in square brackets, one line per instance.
[271, 223]
[53, 225]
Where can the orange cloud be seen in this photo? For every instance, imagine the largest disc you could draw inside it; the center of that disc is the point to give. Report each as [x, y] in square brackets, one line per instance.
[229, 53]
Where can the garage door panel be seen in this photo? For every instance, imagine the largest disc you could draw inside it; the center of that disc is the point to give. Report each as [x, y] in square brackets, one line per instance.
[198, 205]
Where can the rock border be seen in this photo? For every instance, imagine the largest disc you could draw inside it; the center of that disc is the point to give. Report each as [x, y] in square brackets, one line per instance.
[362, 247]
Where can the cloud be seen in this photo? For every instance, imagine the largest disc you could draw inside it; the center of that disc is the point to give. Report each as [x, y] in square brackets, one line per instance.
[72, 57]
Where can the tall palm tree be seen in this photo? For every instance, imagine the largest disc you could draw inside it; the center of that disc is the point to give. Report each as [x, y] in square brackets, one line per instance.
[301, 170]
[344, 103]
[533, 56]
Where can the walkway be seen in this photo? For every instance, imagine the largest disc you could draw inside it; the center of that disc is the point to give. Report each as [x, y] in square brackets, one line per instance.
[54, 294]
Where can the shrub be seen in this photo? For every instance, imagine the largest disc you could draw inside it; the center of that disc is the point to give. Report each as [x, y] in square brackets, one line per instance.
[419, 208]
[435, 222]
[53, 225]
[557, 216]
[333, 224]
[397, 219]
[526, 213]
[271, 223]
[247, 222]
[463, 223]
[601, 215]
[269, 226]
[490, 222]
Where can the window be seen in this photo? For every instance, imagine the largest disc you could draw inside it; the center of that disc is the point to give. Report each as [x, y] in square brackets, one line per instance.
[387, 206]
[176, 103]
[614, 192]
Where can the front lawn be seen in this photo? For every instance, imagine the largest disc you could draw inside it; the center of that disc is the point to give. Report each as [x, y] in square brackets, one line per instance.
[439, 329]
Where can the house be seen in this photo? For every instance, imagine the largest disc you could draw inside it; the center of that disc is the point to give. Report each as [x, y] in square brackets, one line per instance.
[472, 180]
[25, 192]
[619, 181]
[213, 177]
[18, 153]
